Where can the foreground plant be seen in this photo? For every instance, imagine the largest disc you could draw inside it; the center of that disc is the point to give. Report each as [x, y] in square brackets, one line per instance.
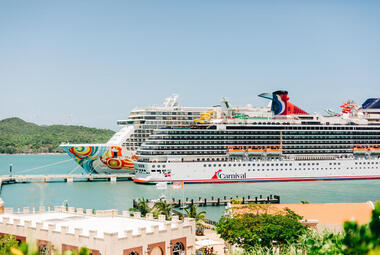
[6, 243]
[25, 249]
[261, 229]
[353, 240]
[192, 212]
[142, 207]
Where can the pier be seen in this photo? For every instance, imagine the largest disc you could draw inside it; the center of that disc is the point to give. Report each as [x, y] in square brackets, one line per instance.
[271, 199]
[6, 179]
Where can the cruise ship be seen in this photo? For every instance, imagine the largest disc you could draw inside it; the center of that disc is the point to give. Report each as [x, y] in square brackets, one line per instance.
[281, 142]
[118, 154]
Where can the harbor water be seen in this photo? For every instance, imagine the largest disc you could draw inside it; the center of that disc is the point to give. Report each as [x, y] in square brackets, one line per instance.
[119, 195]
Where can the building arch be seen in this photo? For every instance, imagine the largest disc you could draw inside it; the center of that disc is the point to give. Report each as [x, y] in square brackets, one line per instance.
[178, 249]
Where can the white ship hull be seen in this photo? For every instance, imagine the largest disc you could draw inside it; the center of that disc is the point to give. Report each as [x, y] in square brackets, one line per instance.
[258, 171]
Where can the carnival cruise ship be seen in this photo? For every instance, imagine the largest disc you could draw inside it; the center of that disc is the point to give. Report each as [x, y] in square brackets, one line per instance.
[277, 143]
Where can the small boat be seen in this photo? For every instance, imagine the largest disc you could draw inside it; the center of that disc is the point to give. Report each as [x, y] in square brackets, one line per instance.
[273, 150]
[360, 149]
[374, 150]
[236, 150]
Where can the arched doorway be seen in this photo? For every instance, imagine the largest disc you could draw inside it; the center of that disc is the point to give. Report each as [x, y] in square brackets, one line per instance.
[156, 251]
[178, 249]
[44, 250]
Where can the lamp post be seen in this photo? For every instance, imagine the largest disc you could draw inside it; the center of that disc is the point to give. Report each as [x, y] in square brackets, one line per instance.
[66, 205]
[170, 247]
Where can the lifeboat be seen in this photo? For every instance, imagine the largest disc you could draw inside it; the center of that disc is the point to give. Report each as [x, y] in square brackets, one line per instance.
[360, 149]
[273, 151]
[374, 150]
[255, 151]
[235, 151]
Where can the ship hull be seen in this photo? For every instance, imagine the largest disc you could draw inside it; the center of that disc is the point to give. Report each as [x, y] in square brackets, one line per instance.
[258, 171]
[100, 158]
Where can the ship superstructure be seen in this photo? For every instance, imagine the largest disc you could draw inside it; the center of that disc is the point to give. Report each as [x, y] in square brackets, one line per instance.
[117, 155]
[256, 144]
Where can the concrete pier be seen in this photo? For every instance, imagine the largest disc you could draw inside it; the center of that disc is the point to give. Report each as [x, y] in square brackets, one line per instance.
[69, 178]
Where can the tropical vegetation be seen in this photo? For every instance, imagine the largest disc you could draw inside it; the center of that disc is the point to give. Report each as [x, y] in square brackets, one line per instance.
[6, 243]
[162, 207]
[259, 233]
[192, 212]
[141, 206]
[10, 246]
[260, 228]
[19, 136]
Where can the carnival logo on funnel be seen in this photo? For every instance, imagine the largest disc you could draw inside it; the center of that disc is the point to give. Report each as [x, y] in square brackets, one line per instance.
[219, 175]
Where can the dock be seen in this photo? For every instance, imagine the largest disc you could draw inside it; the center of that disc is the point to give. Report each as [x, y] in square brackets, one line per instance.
[6, 179]
[271, 199]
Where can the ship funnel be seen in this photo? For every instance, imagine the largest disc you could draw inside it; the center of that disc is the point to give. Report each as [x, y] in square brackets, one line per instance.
[281, 105]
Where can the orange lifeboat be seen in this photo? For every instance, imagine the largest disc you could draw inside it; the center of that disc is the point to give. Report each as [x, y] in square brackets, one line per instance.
[374, 150]
[360, 149]
[255, 150]
[236, 150]
[273, 150]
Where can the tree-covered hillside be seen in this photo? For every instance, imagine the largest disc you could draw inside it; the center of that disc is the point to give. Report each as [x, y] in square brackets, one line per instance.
[19, 136]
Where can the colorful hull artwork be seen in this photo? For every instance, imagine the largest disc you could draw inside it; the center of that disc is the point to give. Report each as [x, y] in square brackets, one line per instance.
[100, 158]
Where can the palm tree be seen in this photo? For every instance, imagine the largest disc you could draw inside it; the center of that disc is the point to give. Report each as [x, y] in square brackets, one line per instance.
[142, 207]
[192, 212]
[164, 208]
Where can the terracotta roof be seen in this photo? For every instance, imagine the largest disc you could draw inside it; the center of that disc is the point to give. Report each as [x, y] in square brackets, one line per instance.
[335, 213]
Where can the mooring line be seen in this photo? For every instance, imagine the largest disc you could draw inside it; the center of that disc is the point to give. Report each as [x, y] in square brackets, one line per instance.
[39, 167]
[74, 169]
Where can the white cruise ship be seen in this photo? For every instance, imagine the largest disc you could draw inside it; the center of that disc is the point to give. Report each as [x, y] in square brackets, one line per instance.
[117, 155]
[277, 143]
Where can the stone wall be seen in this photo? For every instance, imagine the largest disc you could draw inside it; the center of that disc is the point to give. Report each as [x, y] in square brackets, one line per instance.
[111, 243]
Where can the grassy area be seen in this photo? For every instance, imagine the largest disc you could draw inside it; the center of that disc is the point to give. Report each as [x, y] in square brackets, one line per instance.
[19, 136]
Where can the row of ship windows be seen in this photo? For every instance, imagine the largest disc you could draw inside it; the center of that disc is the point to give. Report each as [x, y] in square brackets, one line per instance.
[368, 163]
[266, 136]
[212, 147]
[249, 164]
[166, 113]
[174, 140]
[260, 132]
[326, 168]
[284, 164]
[278, 169]
[216, 152]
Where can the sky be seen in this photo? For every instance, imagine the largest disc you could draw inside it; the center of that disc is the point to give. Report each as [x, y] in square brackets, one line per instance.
[91, 62]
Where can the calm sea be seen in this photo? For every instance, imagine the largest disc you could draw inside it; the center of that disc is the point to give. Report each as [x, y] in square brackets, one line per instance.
[106, 195]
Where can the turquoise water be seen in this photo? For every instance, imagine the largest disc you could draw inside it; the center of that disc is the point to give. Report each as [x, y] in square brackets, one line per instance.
[106, 195]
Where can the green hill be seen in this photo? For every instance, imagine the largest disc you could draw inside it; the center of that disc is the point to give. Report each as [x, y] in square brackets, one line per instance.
[19, 136]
